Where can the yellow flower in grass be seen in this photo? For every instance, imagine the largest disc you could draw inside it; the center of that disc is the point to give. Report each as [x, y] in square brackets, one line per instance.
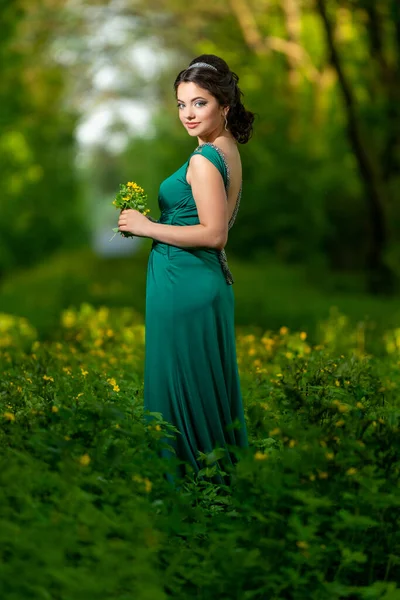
[303, 335]
[84, 460]
[9, 416]
[301, 544]
[54, 409]
[260, 455]
[283, 330]
[84, 373]
[147, 485]
[351, 471]
[48, 378]
[144, 480]
[275, 431]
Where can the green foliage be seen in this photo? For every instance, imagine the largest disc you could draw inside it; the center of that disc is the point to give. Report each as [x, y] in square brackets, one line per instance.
[41, 206]
[313, 510]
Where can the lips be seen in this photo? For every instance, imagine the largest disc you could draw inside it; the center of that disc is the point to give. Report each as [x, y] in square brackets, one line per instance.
[192, 124]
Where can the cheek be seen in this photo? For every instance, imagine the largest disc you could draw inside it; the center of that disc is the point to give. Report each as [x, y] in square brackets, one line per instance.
[212, 115]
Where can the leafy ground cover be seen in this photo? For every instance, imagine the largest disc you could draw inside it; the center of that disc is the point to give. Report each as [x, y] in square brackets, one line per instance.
[86, 511]
[267, 295]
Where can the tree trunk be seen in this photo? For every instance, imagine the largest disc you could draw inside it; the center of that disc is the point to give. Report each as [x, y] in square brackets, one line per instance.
[380, 277]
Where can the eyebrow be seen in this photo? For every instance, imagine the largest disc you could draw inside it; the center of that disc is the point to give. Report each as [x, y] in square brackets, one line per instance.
[192, 100]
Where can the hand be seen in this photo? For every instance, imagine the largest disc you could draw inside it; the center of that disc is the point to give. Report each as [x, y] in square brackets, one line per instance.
[134, 222]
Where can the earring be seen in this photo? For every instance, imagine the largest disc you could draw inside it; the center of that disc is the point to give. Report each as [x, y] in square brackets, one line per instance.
[226, 122]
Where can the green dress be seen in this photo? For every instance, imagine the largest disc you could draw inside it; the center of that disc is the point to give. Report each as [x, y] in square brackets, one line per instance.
[190, 373]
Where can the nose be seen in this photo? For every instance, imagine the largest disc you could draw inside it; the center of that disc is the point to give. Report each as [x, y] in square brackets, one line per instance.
[189, 114]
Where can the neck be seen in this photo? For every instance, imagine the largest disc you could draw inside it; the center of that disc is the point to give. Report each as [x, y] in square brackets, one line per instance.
[215, 135]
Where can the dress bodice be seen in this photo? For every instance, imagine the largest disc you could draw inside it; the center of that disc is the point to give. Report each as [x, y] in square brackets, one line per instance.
[177, 204]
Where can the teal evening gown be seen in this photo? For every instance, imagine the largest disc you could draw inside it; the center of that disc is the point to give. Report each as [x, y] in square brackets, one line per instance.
[191, 374]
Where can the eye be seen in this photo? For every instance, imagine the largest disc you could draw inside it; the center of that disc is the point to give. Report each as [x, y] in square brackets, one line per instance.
[201, 102]
[179, 104]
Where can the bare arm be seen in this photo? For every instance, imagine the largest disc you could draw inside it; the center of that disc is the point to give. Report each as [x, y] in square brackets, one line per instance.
[210, 197]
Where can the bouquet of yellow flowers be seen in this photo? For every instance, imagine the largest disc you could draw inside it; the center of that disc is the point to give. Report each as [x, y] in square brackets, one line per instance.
[130, 195]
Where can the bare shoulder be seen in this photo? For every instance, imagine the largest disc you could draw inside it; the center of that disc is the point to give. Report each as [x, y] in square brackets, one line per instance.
[232, 157]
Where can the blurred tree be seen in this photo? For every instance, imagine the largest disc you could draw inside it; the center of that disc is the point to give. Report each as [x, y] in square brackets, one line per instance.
[377, 152]
[40, 208]
[321, 174]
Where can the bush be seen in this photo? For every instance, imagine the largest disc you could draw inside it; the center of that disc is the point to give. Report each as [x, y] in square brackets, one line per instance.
[86, 510]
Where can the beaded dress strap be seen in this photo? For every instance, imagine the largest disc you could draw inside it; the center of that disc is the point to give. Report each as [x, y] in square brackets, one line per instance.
[221, 253]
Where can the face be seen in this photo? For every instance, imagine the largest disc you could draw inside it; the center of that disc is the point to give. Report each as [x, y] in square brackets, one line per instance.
[199, 111]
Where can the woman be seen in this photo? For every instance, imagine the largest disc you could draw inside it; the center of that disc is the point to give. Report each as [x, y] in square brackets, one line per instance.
[191, 372]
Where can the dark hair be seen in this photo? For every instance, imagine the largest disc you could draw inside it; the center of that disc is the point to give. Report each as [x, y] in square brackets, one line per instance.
[223, 85]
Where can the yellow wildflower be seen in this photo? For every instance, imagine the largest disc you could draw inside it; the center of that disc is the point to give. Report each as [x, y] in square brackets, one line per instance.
[47, 378]
[340, 423]
[84, 373]
[283, 330]
[323, 475]
[84, 460]
[9, 415]
[112, 381]
[359, 405]
[303, 335]
[343, 408]
[147, 485]
[157, 428]
[260, 456]
[330, 455]
[116, 388]
[54, 409]
[351, 471]
[292, 443]
[301, 544]
[275, 431]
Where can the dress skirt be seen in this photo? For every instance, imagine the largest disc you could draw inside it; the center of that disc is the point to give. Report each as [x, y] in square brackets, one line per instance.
[191, 375]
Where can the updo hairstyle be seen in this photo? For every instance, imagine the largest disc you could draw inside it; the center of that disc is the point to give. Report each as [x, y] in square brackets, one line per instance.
[222, 83]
